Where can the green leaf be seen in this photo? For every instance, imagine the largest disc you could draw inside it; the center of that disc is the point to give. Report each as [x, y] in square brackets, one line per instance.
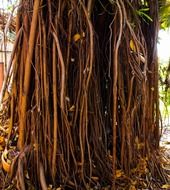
[143, 15]
[144, 9]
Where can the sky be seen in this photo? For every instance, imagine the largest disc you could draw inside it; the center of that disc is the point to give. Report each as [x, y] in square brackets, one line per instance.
[6, 3]
[164, 45]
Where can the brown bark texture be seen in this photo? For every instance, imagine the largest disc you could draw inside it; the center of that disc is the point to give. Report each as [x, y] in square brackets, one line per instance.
[85, 91]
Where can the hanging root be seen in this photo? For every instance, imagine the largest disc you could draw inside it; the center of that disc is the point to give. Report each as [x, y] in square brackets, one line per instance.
[83, 96]
[42, 178]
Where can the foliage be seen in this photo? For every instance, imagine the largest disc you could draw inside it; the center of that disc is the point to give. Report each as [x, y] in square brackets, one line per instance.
[164, 71]
[143, 13]
[164, 14]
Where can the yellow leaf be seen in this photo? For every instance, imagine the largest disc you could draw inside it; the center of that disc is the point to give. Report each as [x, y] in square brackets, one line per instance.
[132, 187]
[136, 140]
[7, 130]
[5, 162]
[133, 183]
[6, 96]
[76, 37]
[142, 58]
[1, 148]
[132, 46]
[166, 186]
[95, 178]
[139, 144]
[2, 139]
[119, 173]
[50, 187]
[142, 166]
[35, 145]
[72, 108]
[134, 170]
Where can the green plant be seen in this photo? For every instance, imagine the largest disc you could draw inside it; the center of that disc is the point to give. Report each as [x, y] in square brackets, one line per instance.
[164, 87]
[164, 14]
[143, 13]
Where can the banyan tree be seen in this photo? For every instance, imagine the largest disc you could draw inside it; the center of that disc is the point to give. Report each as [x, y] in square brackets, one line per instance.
[84, 100]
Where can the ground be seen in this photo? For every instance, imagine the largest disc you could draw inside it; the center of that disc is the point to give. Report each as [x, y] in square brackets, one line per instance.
[141, 175]
[165, 145]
